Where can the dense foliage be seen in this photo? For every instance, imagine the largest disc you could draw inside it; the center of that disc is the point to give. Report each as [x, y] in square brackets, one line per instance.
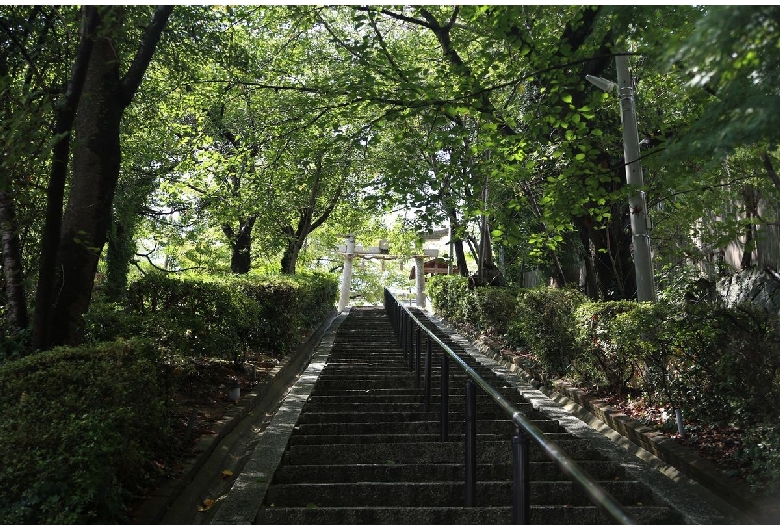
[140, 141]
[720, 365]
[92, 419]
[78, 427]
[217, 316]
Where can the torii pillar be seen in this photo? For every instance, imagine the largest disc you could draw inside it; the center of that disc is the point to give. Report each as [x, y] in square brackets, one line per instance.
[419, 275]
[346, 277]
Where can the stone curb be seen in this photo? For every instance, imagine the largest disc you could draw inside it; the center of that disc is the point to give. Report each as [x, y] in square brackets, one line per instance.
[244, 500]
[264, 396]
[685, 460]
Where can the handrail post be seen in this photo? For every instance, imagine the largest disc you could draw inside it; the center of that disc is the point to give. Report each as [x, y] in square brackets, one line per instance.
[445, 398]
[427, 384]
[412, 326]
[402, 334]
[417, 355]
[521, 485]
[471, 443]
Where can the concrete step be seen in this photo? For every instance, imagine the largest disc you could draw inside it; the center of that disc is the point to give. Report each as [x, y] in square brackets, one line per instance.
[399, 416]
[403, 437]
[410, 395]
[488, 493]
[424, 452]
[315, 406]
[407, 414]
[443, 472]
[497, 515]
[363, 451]
[423, 427]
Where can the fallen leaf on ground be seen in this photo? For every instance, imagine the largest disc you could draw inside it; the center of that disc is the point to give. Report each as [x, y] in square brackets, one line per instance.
[206, 505]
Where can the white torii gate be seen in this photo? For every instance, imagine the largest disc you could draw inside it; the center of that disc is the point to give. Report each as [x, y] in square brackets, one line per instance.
[350, 251]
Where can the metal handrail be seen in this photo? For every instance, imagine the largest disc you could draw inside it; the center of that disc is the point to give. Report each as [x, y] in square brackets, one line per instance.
[593, 491]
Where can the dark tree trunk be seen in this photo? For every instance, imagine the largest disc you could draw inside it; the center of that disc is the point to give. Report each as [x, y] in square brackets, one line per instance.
[306, 221]
[751, 211]
[290, 256]
[591, 285]
[240, 245]
[460, 257]
[16, 301]
[96, 160]
[457, 244]
[55, 191]
[120, 250]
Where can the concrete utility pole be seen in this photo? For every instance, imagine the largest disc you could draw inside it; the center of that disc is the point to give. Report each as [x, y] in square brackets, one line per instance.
[638, 208]
[346, 277]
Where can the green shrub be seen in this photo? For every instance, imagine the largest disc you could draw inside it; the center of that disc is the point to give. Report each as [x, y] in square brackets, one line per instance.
[719, 365]
[494, 308]
[289, 306]
[545, 327]
[609, 356]
[447, 294]
[77, 426]
[727, 368]
[761, 450]
[218, 316]
[194, 316]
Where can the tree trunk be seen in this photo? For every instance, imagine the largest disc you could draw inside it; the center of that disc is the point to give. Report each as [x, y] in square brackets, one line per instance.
[16, 301]
[121, 249]
[591, 287]
[55, 192]
[96, 161]
[241, 245]
[290, 256]
[751, 211]
[306, 222]
[457, 244]
[460, 257]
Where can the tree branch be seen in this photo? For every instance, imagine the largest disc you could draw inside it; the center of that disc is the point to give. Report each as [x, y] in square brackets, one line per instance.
[398, 16]
[770, 170]
[134, 75]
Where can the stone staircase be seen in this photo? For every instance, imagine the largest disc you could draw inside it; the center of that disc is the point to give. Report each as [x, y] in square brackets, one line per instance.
[364, 451]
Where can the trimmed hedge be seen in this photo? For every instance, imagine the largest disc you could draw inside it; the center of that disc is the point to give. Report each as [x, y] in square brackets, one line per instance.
[545, 327]
[447, 294]
[720, 365]
[223, 316]
[77, 427]
[608, 354]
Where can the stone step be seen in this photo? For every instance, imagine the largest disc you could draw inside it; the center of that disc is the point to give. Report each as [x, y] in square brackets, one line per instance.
[455, 386]
[402, 417]
[423, 427]
[363, 451]
[403, 437]
[315, 406]
[498, 515]
[413, 396]
[488, 493]
[313, 414]
[598, 469]
[425, 452]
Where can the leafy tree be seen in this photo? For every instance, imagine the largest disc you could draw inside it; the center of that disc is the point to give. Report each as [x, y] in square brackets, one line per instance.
[73, 241]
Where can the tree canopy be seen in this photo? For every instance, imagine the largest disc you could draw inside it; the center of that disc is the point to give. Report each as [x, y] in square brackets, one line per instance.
[248, 137]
